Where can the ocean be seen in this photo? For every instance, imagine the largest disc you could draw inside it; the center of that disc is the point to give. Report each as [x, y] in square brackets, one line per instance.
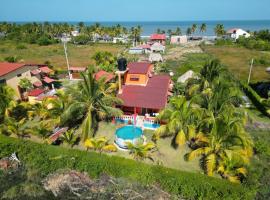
[151, 27]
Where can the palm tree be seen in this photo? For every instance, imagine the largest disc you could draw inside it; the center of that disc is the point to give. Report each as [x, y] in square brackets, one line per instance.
[194, 28]
[11, 126]
[136, 34]
[141, 151]
[90, 103]
[6, 100]
[219, 30]
[99, 144]
[226, 138]
[181, 119]
[69, 137]
[189, 31]
[178, 31]
[203, 28]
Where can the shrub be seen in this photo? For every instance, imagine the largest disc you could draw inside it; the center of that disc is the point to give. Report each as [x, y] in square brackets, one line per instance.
[21, 46]
[11, 59]
[44, 41]
[81, 39]
[47, 159]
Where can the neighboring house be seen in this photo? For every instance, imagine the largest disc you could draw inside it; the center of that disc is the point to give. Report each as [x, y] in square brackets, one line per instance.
[136, 50]
[120, 40]
[75, 72]
[75, 33]
[104, 75]
[12, 73]
[184, 78]
[158, 47]
[179, 39]
[235, 33]
[155, 57]
[160, 38]
[146, 48]
[143, 92]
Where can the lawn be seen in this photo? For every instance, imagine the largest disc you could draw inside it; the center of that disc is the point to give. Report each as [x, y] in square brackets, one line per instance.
[79, 55]
[237, 59]
[166, 154]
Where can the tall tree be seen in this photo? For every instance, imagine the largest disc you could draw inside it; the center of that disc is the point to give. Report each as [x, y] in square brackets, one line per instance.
[203, 27]
[194, 28]
[90, 103]
[219, 30]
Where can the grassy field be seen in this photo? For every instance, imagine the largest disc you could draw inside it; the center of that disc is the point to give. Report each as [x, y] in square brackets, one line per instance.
[237, 59]
[79, 55]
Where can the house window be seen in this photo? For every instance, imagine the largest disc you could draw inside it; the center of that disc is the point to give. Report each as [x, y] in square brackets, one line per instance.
[19, 75]
[134, 78]
[3, 82]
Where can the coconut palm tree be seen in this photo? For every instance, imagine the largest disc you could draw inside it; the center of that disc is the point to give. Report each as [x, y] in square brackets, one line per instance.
[90, 103]
[226, 137]
[189, 31]
[11, 126]
[178, 31]
[219, 30]
[203, 28]
[181, 119]
[69, 137]
[7, 101]
[141, 151]
[194, 28]
[99, 144]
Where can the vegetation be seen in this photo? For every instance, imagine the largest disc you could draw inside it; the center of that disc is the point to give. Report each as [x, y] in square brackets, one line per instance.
[210, 119]
[91, 101]
[47, 159]
[219, 30]
[99, 144]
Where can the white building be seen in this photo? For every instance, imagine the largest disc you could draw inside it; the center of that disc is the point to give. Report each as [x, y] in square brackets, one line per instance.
[120, 40]
[155, 57]
[157, 47]
[75, 33]
[179, 39]
[235, 33]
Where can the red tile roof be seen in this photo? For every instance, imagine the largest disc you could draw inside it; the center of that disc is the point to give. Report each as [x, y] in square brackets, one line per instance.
[231, 31]
[145, 46]
[6, 67]
[37, 84]
[35, 71]
[48, 80]
[35, 92]
[139, 67]
[153, 96]
[103, 74]
[158, 37]
[45, 69]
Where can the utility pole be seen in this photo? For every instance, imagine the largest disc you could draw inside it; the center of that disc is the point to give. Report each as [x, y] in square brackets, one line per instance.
[65, 49]
[250, 69]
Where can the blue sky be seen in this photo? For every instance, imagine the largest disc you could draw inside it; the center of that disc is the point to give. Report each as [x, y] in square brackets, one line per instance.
[133, 10]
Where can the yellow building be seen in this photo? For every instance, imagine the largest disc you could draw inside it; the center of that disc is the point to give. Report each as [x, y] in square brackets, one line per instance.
[12, 73]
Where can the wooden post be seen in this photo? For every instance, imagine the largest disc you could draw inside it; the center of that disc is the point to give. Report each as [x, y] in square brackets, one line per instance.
[250, 69]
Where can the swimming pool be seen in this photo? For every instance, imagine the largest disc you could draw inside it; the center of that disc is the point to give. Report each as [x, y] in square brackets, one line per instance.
[127, 134]
[146, 124]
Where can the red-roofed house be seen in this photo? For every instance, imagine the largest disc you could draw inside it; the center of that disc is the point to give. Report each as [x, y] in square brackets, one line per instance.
[45, 70]
[138, 73]
[103, 74]
[160, 38]
[12, 73]
[144, 92]
[235, 33]
[75, 72]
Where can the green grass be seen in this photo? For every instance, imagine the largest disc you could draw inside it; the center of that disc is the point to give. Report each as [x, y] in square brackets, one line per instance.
[166, 154]
[48, 159]
[79, 55]
[237, 59]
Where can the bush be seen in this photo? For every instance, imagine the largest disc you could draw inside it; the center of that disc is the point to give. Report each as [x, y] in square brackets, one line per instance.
[21, 46]
[44, 41]
[11, 59]
[47, 159]
[81, 39]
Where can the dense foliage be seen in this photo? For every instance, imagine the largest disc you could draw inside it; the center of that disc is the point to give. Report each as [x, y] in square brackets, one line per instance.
[47, 159]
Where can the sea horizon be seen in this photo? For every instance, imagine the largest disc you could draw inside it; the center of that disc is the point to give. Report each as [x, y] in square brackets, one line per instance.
[150, 27]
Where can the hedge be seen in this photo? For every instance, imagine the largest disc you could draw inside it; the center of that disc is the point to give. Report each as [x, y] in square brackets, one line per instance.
[255, 98]
[48, 159]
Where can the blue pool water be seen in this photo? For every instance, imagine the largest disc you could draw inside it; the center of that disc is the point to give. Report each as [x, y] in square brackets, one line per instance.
[146, 125]
[129, 132]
